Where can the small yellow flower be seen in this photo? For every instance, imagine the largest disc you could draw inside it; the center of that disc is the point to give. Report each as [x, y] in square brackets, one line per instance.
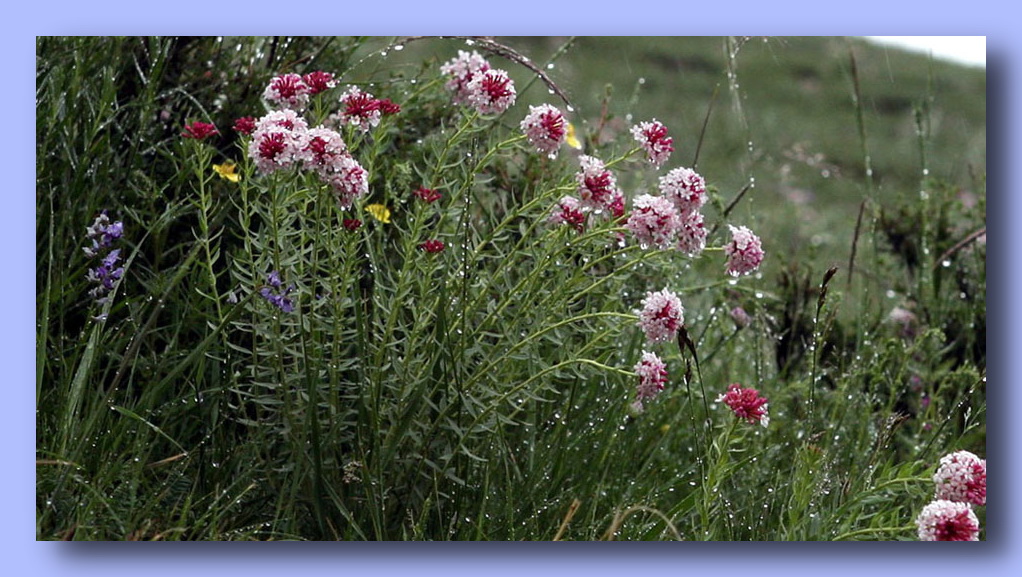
[573, 140]
[379, 212]
[227, 170]
[664, 428]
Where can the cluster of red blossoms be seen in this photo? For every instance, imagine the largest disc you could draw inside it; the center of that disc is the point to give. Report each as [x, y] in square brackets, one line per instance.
[432, 246]
[427, 195]
[746, 404]
[293, 91]
[199, 130]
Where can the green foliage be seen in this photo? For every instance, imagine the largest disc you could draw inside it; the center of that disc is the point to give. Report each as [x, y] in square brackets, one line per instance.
[482, 392]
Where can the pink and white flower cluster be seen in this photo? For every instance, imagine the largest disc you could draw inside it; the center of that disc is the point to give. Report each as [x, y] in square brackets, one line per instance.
[654, 221]
[672, 219]
[546, 128]
[475, 83]
[660, 319]
[278, 141]
[652, 374]
[652, 136]
[569, 211]
[744, 252]
[282, 139]
[675, 217]
[597, 186]
[962, 477]
[961, 482]
[460, 71]
[362, 109]
[598, 194]
[293, 91]
[686, 189]
[944, 520]
[661, 316]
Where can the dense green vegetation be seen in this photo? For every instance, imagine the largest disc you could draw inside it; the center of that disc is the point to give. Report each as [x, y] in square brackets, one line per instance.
[483, 392]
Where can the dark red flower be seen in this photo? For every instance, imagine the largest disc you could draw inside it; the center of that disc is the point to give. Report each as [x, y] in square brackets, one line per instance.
[245, 125]
[432, 246]
[288, 87]
[428, 195]
[199, 130]
[352, 224]
[361, 105]
[272, 145]
[746, 404]
[387, 106]
[319, 81]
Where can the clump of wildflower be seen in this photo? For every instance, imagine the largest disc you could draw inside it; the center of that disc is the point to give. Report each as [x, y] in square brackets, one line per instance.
[692, 234]
[348, 179]
[324, 149]
[962, 477]
[545, 127]
[661, 316]
[569, 211]
[319, 81]
[432, 246]
[944, 520]
[273, 294]
[278, 141]
[744, 252]
[746, 404]
[653, 138]
[245, 125]
[199, 130]
[326, 153]
[654, 221]
[685, 188]
[102, 235]
[597, 187]
[105, 275]
[428, 195]
[652, 374]
[359, 109]
[351, 224]
[461, 70]
[287, 91]
[491, 92]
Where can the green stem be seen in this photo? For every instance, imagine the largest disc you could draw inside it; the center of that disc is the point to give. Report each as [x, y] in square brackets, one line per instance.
[850, 534]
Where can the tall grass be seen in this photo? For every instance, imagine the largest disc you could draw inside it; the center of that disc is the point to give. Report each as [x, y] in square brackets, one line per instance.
[479, 392]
